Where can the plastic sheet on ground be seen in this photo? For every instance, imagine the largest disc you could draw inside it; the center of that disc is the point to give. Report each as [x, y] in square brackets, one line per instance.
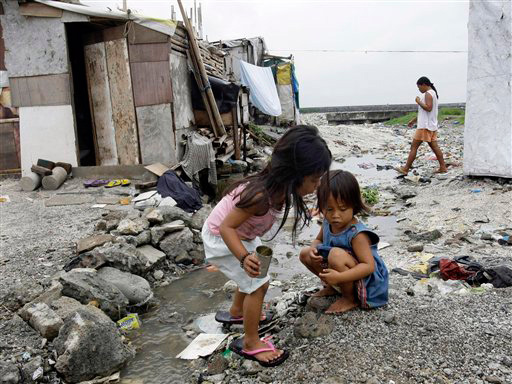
[203, 345]
[208, 324]
[263, 91]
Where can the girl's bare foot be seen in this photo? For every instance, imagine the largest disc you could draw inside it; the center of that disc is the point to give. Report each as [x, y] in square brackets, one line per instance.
[262, 356]
[441, 170]
[341, 305]
[401, 170]
[325, 291]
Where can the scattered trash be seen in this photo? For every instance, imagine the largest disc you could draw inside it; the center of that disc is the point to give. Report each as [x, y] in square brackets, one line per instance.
[505, 240]
[129, 322]
[26, 356]
[207, 324]
[38, 373]
[98, 205]
[4, 199]
[125, 200]
[366, 165]
[476, 190]
[382, 245]
[203, 345]
[104, 380]
[370, 195]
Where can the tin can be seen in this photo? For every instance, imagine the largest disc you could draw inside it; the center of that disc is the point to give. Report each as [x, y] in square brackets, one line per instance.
[264, 254]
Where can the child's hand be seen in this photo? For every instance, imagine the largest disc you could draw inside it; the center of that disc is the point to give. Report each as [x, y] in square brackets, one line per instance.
[418, 100]
[314, 256]
[252, 265]
[330, 276]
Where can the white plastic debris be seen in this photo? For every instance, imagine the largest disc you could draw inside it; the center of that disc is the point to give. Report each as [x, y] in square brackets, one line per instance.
[203, 345]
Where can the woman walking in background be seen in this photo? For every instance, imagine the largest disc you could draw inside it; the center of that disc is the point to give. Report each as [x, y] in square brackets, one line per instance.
[426, 130]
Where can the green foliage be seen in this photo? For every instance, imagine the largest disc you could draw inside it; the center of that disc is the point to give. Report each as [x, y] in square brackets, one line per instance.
[455, 114]
[402, 120]
[370, 195]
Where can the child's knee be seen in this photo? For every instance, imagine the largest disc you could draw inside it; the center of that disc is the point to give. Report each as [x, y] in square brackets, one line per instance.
[304, 256]
[340, 257]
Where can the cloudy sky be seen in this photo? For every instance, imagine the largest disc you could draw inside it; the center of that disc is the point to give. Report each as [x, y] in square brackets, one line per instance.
[328, 39]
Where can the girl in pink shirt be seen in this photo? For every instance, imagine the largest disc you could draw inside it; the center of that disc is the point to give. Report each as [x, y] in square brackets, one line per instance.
[247, 211]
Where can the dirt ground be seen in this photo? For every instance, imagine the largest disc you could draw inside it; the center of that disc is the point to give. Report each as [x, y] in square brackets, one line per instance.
[423, 335]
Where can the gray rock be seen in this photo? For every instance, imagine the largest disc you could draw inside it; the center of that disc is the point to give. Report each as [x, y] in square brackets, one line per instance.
[171, 214]
[390, 318]
[154, 216]
[43, 319]
[136, 289]
[91, 242]
[32, 371]
[486, 236]
[217, 364]
[200, 217]
[197, 256]
[417, 247]
[318, 303]
[47, 297]
[230, 287]
[158, 274]
[309, 326]
[175, 243]
[142, 238]
[183, 258]
[85, 285]
[89, 345]
[424, 236]
[494, 380]
[65, 306]
[151, 255]
[9, 373]
[16, 296]
[157, 233]
[132, 227]
[250, 367]
[125, 257]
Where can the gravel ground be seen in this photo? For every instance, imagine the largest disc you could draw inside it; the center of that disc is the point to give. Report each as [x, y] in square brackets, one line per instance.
[426, 337]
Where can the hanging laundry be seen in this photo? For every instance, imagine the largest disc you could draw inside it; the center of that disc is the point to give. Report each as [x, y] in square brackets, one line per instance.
[199, 155]
[263, 91]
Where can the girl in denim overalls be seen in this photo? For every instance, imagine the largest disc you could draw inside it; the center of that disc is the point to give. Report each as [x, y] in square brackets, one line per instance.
[344, 254]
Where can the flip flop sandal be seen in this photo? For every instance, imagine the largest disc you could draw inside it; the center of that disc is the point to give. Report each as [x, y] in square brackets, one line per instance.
[237, 347]
[225, 317]
[95, 183]
[125, 182]
[89, 183]
[113, 183]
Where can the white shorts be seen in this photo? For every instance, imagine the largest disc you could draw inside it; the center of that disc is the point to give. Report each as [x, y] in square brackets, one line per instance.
[218, 254]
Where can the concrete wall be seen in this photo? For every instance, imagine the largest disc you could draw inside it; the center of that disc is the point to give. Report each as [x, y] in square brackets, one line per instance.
[182, 100]
[488, 128]
[34, 45]
[47, 133]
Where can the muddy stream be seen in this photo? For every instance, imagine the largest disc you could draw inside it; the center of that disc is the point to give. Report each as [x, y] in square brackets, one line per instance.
[197, 295]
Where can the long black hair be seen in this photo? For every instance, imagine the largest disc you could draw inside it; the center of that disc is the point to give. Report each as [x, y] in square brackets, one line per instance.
[425, 81]
[300, 152]
[342, 185]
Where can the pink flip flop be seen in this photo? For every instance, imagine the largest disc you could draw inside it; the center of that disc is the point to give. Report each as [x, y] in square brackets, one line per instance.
[237, 347]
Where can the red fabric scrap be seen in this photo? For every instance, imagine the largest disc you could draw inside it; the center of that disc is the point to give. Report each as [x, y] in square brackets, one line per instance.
[451, 270]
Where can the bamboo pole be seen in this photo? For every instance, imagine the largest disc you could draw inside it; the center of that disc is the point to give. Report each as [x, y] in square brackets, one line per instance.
[218, 127]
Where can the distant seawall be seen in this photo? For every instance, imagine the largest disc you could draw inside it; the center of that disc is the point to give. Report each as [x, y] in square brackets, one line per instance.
[371, 108]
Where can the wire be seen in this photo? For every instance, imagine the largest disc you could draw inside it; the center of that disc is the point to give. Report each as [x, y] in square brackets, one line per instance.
[361, 51]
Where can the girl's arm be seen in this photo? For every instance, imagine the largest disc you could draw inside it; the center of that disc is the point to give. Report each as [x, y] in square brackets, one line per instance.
[228, 233]
[366, 264]
[428, 104]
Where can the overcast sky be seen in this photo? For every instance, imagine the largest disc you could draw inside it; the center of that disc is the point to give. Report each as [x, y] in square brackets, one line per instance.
[332, 78]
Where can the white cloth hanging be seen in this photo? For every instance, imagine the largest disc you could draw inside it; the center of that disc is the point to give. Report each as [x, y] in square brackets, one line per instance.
[263, 91]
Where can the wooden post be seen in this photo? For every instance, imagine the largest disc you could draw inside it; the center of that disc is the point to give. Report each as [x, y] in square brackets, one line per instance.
[218, 128]
[235, 133]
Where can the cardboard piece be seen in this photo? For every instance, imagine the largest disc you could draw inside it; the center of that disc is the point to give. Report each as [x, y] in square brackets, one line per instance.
[203, 345]
[157, 168]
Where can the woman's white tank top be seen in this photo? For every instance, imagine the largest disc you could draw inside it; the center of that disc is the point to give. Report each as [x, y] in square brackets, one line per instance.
[428, 120]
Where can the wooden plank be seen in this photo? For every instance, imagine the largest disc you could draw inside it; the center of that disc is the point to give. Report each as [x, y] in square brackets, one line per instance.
[39, 10]
[149, 52]
[123, 110]
[35, 91]
[202, 119]
[156, 134]
[151, 83]
[101, 107]
[8, 150]
[137, 34]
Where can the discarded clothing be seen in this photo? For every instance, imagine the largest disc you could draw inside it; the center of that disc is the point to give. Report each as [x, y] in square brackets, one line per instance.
[263, 88]
[450, 270]
[499, 277]
[170, 184]
[199, 154]
[404, 272]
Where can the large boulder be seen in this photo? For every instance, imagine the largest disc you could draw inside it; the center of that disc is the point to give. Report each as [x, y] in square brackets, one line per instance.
[89, 345]
[65, 306]
[200, 217]
[136, 289]
[86, 285]
[175, 243]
